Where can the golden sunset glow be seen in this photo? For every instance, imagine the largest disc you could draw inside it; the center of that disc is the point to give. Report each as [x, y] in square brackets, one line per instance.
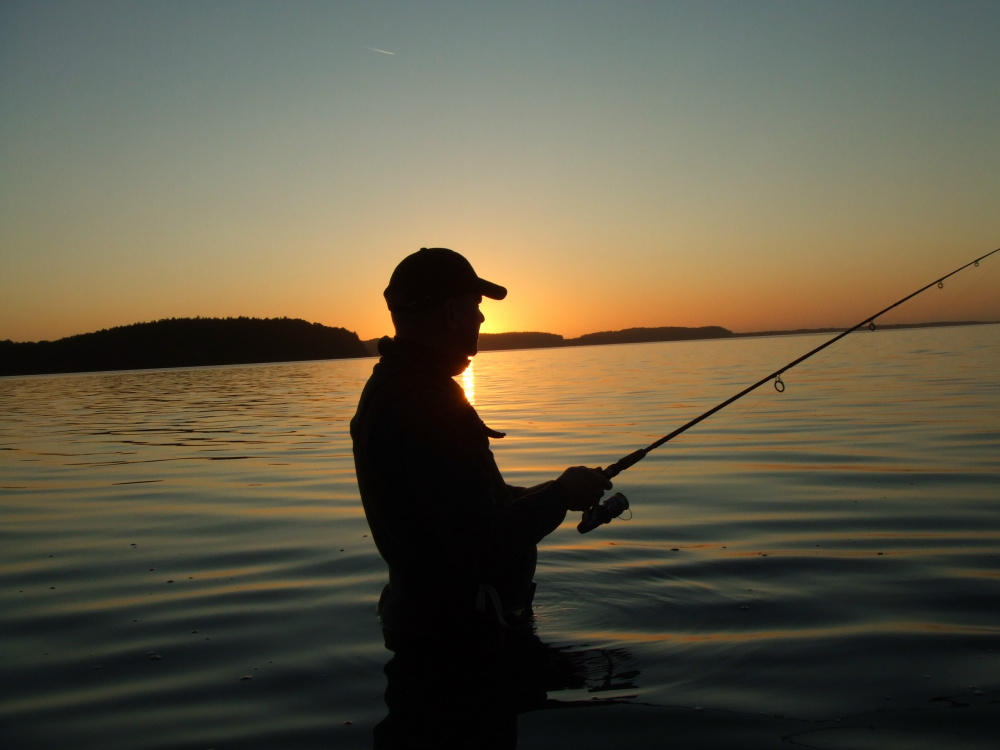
[756, 166]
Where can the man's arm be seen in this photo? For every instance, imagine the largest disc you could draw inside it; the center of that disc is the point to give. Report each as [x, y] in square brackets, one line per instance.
[582, 487]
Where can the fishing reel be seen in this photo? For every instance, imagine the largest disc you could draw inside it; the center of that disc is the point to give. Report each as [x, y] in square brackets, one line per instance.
[603, 513]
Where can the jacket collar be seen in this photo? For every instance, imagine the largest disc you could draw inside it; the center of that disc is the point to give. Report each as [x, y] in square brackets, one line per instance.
[413, 356]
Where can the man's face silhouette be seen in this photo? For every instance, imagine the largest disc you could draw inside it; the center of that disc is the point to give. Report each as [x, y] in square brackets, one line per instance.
[463, 321]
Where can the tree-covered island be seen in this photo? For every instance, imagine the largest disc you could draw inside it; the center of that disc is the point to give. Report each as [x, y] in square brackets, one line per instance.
[182, 342]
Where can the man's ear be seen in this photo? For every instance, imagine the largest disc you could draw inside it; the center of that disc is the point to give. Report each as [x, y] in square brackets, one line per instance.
[450, 314]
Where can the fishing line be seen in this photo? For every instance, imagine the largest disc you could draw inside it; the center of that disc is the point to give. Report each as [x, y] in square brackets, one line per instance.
[775, 377]
[617, 504]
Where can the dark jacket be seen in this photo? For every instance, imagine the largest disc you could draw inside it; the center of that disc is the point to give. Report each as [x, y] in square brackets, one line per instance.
[459, 542]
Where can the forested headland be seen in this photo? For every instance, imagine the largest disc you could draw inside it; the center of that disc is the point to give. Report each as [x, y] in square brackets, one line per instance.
[182, 342]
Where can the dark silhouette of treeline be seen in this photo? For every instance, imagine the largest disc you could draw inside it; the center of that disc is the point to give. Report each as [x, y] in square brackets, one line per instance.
[878, 326]
[537, 340]
[533, 340]
[491, 342]
[645, 335]
[182, 342]
[201, 342]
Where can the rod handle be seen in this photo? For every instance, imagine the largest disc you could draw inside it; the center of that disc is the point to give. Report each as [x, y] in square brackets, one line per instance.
[623, 463]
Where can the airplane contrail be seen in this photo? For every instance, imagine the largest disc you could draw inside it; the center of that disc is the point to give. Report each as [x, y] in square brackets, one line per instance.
[383, 51]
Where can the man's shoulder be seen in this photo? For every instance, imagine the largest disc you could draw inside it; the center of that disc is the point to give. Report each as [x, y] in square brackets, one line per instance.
[400, 397]
[393, 385]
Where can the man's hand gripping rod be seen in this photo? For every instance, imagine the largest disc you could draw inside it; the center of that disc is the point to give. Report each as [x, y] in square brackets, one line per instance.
[598, 512]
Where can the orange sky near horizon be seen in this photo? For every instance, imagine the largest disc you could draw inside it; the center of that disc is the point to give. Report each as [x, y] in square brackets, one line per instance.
[755, 166]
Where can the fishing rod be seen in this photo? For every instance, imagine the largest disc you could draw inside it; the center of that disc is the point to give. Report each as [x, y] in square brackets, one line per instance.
[600, 513]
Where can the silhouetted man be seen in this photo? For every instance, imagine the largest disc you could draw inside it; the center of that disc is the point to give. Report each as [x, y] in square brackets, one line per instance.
[460, 543]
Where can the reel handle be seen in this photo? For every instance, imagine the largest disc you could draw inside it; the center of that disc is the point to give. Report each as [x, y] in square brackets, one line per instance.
[602, 513]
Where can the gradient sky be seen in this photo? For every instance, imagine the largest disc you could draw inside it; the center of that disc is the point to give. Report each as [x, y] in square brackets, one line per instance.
[755, 165]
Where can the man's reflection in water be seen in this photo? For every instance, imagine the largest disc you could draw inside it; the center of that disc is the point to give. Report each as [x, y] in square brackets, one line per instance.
[468, 695]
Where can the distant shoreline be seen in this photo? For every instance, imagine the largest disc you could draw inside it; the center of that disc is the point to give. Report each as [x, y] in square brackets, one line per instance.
[878, 327]
[533, 340]
[203, 342]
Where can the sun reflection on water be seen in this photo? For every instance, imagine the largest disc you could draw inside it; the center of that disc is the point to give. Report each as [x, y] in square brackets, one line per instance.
[469, 383]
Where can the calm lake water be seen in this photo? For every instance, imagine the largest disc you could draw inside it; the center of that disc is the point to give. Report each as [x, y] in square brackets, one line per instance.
[185, 563]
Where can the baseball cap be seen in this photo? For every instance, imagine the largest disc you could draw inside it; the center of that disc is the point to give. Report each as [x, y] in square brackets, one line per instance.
[434, 274]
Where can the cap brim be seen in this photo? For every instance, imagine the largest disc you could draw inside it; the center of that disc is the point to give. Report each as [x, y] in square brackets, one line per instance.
[491, 290]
